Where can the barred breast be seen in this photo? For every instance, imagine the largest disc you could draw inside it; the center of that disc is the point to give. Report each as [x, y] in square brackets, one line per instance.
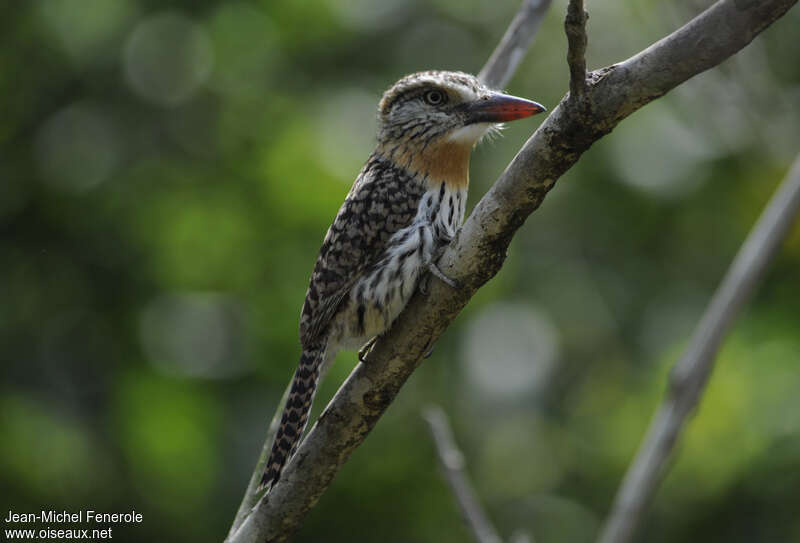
[381, 293]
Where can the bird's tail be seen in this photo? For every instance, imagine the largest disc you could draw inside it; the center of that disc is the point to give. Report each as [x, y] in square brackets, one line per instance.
[295, 414]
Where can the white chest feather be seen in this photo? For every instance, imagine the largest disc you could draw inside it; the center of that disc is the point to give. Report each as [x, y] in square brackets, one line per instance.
[379, 297]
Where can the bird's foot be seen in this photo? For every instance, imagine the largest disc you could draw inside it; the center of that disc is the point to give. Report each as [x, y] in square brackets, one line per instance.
[424, 284]
[365, 350]
[434, 269]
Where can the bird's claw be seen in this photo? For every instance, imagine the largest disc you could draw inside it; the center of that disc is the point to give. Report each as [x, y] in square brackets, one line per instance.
[365, 350]
[452, 283]
[424, 283]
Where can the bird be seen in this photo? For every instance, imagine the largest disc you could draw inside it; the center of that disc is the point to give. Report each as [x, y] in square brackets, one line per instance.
[403, 209]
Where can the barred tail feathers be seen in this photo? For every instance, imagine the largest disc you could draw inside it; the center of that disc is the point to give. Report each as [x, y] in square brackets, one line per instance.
[295, 414]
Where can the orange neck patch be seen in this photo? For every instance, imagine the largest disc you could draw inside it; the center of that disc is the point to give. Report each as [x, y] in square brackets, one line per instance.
[446, 161]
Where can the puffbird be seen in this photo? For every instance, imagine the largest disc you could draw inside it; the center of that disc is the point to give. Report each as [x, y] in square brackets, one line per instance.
[403, 209]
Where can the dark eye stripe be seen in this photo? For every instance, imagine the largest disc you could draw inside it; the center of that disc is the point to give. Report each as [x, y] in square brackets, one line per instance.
[414, 94]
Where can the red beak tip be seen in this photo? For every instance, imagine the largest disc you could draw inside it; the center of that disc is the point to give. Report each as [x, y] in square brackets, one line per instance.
[500, 108]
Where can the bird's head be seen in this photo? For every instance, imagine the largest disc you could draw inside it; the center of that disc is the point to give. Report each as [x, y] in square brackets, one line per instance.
[435, 107]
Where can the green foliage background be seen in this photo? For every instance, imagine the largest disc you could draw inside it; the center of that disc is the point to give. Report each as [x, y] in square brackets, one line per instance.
[167, 173]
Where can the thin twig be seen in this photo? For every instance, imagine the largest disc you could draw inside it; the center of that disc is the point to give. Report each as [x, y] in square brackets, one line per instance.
[575, 27]
[518, 38]
[250, 495]
[452, 461]
[690, 375]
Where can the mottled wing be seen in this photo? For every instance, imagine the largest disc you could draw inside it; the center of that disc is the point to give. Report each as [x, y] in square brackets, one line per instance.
[383, 200]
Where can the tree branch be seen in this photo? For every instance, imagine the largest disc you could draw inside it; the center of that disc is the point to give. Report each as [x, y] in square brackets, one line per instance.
[250, 495]
[515, 43]
[496, 73]
[575, 27]
[452, 461]
[479, 248]
[690, 375]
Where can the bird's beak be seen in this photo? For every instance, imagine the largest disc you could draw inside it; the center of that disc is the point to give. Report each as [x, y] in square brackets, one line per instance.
[500, 108]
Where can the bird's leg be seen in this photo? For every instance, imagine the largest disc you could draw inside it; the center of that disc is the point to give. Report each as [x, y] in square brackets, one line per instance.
[442, 241]
[365, 350]
[428, 349]
[434, 269]
[424, 283]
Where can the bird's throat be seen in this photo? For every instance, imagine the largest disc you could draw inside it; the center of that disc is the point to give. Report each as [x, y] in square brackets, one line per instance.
[444, 161]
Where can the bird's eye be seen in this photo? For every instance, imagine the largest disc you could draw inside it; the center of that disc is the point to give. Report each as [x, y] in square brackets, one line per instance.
[434, 97]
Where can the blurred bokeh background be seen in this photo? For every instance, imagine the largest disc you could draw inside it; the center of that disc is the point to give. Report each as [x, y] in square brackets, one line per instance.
[168, 171]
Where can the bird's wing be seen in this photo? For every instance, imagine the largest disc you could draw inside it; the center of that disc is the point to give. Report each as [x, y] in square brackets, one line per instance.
[383, 200]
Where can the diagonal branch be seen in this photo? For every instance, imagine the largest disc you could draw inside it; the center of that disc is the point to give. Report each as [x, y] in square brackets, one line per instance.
[496, 73]
[691, 373]
[515, 43]
[479, 249]
[452, 462]
[251, 495]
[575, 27]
